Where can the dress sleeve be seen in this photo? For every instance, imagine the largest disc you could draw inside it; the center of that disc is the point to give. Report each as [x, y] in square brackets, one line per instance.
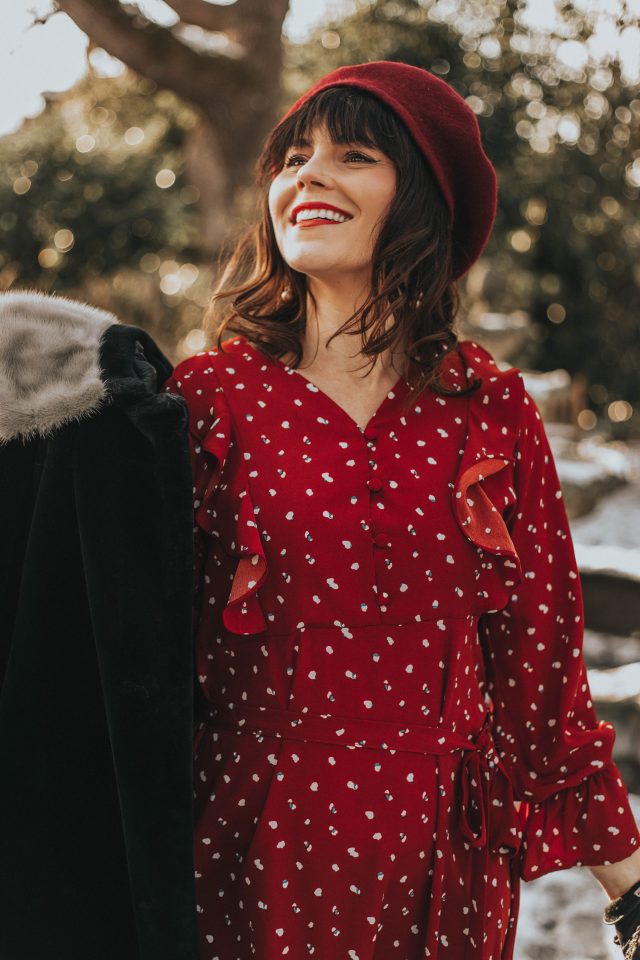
[558, 755]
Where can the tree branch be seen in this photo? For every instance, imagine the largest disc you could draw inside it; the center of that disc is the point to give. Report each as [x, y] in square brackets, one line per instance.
[40, 20]
[153, 51]
[254, 23]
[209, 16]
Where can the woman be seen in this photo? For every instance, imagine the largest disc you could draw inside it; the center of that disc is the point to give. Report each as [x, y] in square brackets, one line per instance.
[389, 619]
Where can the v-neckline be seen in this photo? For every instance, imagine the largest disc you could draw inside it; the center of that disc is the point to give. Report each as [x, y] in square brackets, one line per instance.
[397, 389]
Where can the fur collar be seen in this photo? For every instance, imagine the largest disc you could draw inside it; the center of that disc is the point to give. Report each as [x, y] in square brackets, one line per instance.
[49, 362]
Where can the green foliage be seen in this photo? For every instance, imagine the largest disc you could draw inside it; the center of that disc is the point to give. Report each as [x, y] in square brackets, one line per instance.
[82, 212]
[567, 235]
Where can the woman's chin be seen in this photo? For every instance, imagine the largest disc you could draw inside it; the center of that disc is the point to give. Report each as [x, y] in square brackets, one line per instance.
[305, 261]
[324, 268]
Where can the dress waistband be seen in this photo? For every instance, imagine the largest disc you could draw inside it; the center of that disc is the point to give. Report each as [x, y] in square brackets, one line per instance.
[487, 811]
[351, 732]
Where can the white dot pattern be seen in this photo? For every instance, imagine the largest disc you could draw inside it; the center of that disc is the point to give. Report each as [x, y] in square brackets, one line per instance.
[363, 598]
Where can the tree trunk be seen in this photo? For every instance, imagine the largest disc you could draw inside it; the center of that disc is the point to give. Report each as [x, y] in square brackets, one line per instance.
[237, 95]
[206, 170]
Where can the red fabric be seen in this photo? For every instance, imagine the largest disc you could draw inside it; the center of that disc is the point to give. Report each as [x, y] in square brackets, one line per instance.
[446, 131]
[353, 796]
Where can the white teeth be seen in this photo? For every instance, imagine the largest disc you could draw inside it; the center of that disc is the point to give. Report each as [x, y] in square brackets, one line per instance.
[321, 214]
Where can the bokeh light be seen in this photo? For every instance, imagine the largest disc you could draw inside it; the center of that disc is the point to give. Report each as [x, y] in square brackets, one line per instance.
[133, 136]
[64, 240]
[619, 411]
[521, 241]
[48, 258]
[193, 341]
[149, 262]
[21, 185]
[330, 40]
[556, 313]
[165, 178]
[587, 420]
[85, 143]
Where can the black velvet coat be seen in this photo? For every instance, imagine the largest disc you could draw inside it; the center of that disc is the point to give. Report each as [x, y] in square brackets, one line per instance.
[96, 660]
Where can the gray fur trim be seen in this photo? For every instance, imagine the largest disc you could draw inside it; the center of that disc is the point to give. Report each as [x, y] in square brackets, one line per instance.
[49, 362]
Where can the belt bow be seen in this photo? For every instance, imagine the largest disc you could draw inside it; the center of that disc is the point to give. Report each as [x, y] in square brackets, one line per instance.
[488, 813]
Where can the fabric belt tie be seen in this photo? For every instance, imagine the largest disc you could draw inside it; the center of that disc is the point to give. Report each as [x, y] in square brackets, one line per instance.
[487, 812]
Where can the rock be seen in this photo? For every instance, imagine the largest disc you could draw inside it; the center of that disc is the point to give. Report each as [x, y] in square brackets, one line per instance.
[606, 547]
[617, 685]
[504, 335]
[616, 698]
[603, 650]
[588, 468]
[584, 484]
[620, 562]
[615, 521]
[552, 394]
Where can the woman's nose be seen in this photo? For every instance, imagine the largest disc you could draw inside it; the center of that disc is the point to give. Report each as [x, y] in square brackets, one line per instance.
[315, 170]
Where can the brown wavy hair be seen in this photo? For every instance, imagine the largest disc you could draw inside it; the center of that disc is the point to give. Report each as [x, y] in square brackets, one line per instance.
[411, 264]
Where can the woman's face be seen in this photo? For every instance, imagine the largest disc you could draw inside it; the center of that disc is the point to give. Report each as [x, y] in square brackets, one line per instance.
[356, 184]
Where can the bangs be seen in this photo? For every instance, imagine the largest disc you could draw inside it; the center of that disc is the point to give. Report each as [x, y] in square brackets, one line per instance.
[350, 116]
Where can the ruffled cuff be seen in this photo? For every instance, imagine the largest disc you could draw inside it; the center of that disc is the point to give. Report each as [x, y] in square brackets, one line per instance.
[585, 825]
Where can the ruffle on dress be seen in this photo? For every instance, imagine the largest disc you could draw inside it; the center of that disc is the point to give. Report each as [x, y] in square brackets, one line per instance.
[211, 447]
[215, 442]
[493, 426]
[481, 520]
[564, 829]
[243, 613]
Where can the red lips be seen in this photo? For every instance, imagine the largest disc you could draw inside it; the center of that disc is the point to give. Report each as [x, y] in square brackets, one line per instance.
[315, 205]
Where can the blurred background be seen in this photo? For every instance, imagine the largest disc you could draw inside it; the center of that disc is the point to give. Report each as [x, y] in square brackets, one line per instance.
[128, 134]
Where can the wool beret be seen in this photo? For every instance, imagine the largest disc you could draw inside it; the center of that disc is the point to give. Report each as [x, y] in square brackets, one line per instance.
[446, 131]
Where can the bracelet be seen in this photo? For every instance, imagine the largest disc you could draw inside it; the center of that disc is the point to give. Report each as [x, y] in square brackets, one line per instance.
[616, 909]
[629, 948]
[624, 912]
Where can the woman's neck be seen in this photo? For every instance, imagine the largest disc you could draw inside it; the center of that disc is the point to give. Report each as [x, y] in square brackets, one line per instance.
[342, 358]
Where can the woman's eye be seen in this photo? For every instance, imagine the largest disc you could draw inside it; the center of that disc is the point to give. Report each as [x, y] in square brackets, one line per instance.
[360, 156]
[353, 154]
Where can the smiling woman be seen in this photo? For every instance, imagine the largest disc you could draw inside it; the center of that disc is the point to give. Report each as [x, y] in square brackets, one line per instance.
[364, 183]
[395, 721]
[390, 264]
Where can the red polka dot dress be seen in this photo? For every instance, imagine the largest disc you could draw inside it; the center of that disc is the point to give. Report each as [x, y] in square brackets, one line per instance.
[397, 725]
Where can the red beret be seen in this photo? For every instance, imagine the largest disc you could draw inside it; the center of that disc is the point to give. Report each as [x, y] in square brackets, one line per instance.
[446, 131]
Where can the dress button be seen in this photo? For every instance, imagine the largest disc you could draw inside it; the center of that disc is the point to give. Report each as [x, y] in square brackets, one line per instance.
[381, 540]
[371, 433]
[374, 483]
